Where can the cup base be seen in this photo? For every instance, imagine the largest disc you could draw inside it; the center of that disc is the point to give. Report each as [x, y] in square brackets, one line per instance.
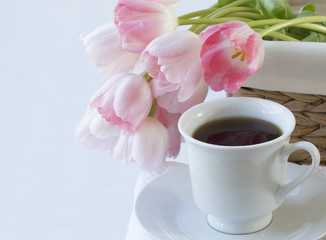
[239, 227]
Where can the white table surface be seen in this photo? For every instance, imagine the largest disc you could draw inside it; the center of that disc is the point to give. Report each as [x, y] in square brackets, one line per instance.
[51, 187]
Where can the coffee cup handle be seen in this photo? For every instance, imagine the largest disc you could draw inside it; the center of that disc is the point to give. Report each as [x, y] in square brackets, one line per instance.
[315, 155]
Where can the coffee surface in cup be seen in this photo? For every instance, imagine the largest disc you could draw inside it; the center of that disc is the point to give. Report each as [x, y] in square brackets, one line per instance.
[237, 131]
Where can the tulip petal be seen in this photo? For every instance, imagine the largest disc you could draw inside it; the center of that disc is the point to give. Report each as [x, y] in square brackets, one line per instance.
[230, 53]
[142, 21]
[122, 150]
[150, 150]
[133, 101]
[170, 122]
[233, 82]
[101, 129]
[173, 60]
[168, 100]
[103, 46]
[83, 132]
[192, 79]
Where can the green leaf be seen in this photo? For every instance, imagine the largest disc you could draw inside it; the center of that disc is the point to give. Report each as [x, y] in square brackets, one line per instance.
[315, 37]
[304, 14]
[299, 32]
[304, 34]
[276, 8]
[308, 7]
[254, 4]
[306, 11]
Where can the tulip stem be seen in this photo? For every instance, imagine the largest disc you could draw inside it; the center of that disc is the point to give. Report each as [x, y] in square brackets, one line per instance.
[275, 24]
[230, 5]
[197, 13]
[233, 4]
[249, 15]
[234, 12]
[207, 21]
[313, 27]
[153, 109]
[147, 77]
[229, 10]
[278, 35]
[292, 22]
[214, 14]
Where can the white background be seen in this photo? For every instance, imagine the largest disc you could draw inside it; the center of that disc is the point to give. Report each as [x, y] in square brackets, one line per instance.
[51, 187]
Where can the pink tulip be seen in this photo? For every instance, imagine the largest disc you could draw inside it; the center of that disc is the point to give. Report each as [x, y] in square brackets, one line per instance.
[230, 53]
[124, 100]
[96, 133]
[103, 45]
[141, 21]
[170, 122]
[169, 100]
[171, 3]
[147, 147]
[174, 60]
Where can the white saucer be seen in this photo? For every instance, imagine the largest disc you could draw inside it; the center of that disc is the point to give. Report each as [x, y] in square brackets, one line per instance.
[167, 211]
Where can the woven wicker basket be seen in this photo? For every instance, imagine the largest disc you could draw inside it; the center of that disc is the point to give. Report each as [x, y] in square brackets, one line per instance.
[310, 113]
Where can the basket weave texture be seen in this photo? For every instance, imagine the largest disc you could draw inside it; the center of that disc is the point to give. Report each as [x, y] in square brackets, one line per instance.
[310, 113]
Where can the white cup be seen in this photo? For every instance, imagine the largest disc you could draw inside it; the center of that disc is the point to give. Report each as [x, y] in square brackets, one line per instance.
[240, 186]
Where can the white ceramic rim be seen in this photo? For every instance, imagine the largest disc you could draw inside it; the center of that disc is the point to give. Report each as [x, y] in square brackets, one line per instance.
[229, 99]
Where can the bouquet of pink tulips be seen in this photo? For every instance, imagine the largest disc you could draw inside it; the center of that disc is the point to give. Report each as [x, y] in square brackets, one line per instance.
[157, 71]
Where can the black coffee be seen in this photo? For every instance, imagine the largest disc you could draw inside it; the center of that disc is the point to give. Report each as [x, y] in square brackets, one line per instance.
[240, 131]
